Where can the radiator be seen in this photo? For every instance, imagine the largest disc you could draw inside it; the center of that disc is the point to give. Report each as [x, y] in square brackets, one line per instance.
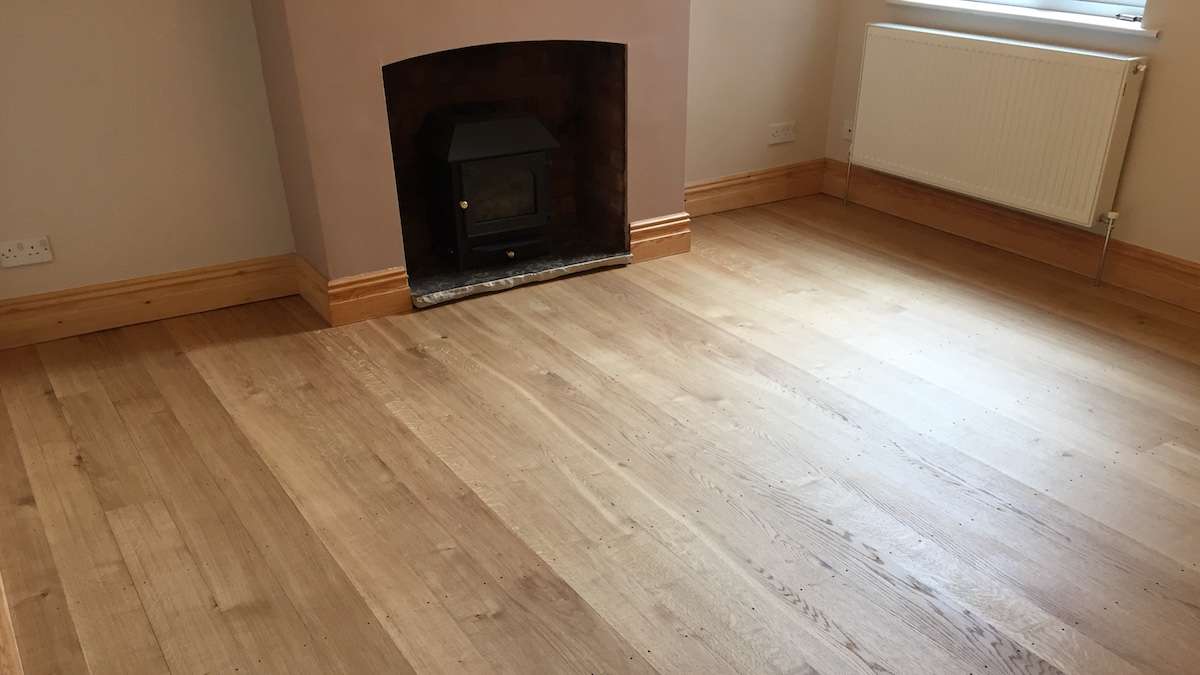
[1037, 128]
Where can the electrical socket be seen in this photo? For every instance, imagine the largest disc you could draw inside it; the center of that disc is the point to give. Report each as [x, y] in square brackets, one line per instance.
[781, 132]
[30, 251]
[847, 130]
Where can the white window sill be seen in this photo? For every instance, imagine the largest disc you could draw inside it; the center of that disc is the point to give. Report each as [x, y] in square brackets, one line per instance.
[1088, 21]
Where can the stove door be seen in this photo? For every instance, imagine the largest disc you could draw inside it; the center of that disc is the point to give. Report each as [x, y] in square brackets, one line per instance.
[503, 194]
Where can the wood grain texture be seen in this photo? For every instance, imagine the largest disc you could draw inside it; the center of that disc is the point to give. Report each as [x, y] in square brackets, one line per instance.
[828, 440]
[193, 635]
[1155, 274]
[111, 623]
[49, 316]
[356, 298]
[660, 237]
[753, 188]
[10, 656]
[35, 604]
[276, 545]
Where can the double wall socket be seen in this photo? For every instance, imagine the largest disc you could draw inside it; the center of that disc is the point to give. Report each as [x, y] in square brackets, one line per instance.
[20, 252]
[781, 132]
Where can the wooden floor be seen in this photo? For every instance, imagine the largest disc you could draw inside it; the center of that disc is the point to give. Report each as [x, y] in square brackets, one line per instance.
[825, 441]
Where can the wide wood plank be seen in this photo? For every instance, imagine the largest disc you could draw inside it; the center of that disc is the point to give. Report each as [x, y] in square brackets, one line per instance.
[668, 482]
[249, 598]
[420, 499]
[114, 632]
[931, 486]
[663, 609]
[339, 621]
[194, 636]
[10, 657]
[1081, 428]
[35, 609]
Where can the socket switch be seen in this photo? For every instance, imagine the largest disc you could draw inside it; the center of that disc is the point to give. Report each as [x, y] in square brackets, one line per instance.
[781, 132]
[30, 251]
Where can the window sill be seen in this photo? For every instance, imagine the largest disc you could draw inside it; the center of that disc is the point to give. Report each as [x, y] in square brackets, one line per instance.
[1085, 21]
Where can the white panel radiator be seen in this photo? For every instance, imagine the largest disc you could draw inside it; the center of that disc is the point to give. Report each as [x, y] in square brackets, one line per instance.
[1032, 127]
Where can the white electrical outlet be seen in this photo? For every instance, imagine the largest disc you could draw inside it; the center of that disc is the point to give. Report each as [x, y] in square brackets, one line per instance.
[781, 132]
[25, 252]
[847, 130]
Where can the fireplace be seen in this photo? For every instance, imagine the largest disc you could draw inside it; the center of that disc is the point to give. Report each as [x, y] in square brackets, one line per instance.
[349, 91]
[510, 163]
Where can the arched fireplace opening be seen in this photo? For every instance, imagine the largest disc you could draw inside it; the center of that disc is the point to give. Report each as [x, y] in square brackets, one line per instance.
[510, 163]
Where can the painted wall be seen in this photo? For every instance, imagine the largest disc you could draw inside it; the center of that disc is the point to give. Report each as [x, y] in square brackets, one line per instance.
[323, 67]
[136, 134]
[1157, 193]
[752, 64]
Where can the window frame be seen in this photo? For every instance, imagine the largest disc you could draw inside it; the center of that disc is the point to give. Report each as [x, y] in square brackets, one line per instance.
[1109, 8]
[1010, 10]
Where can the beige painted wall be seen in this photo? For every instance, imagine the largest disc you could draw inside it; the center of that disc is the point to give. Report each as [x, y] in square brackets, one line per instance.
[136, 134]
[1157, 197]
[751, 64]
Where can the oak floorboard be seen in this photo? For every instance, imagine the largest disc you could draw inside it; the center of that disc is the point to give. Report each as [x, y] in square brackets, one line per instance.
[10, 656]
[1117, 312]
[339, 621]
[825, 441]
[697, 518]
[194, 636]
[947, 496]
[39, 622]
[250, 600]
[114, 631]
[1102, 450]
[939, 307]
[517, 613]
[666, 609]
[741, 469]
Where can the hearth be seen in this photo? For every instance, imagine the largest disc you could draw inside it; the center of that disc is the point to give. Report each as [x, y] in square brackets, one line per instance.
[510, 164]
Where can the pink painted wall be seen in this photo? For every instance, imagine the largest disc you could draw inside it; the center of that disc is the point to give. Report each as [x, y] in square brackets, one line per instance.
[322, 64]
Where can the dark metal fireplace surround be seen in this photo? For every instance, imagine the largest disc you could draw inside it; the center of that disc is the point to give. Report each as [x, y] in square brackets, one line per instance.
[510, 164]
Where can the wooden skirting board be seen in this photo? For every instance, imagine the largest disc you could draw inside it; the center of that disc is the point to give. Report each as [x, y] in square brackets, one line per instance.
[1131, 267]
[355, 298]
[49, 316]
[755, 187]
[658, 237]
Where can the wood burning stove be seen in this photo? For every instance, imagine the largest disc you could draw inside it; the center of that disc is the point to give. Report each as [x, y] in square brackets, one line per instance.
[491, 190]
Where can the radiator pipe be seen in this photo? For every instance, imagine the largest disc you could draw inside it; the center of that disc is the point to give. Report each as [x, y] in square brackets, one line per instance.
[849, 169]
[1110, 219]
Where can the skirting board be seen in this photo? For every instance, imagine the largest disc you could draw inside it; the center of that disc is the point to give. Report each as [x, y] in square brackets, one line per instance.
[754, 188]
[1131, 267]
[658, 237]
[49, 316]
[59, 314]
[356, 298]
